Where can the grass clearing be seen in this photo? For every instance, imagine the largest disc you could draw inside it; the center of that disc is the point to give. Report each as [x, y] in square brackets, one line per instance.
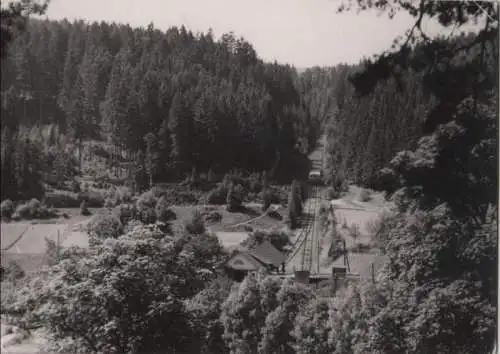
[33, 240]
[231, 239]
[76, 238]
[184, 214]
[350, 210]
[10, 233]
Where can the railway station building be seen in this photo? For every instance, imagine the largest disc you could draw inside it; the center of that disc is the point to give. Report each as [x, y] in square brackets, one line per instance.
[244, 261]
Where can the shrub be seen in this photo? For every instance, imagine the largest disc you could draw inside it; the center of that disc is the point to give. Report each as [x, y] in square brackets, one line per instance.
[227, 181]
[112, 198]
[92, 198]
[255, 186]
[34, 210]
[234, 198]
[217, 196]
[13, 272]
[183, 197]
[84, 210]
[275, 215]
[7, 209]
[103, 226]
[157, 191]
[267, 198]
[75, 186]
[43, 212]
[247, 228]
[331, 193]
[354, 231]
[31, 209]
[365, 195]
[344, 223]
[240, 191]
[131, 225]
[147, 215]
[61, 199]
[110, 203]
[177, 195]
[163, 212]
[273, 196]
[146, 200]
[380, 229]
[52, 252]
[251, 197]
[196, 225]
[213, 216]
[279, 239]
[146, 204]
[124, 195]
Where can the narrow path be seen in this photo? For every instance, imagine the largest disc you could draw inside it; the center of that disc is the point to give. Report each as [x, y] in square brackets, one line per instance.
[273, 208]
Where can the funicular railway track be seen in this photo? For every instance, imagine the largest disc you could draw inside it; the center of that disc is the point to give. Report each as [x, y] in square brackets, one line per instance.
[304, 243]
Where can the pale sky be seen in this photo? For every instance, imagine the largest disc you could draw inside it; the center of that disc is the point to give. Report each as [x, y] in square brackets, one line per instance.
[303, 33]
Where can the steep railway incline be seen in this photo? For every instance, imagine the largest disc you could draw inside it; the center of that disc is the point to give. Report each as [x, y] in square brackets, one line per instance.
[306, 246]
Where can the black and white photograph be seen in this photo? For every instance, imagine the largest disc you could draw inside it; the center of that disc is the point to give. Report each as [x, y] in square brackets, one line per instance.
[249, 176]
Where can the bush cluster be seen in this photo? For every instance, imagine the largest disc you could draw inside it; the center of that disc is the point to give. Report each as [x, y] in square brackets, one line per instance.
[196, 225]
[33, 210]
[278, 238]
[63, 199]
[365, 195]
[116, 196]
[354, 231]
[271, 196]
[179, 195]
[103, 226]
[150, 207]
[235, 197]
[213, 216]
[12, 272]
[127, 212]
[7, 208]
[217, 196]
[331, 193]
[248, 188]
[84, 210]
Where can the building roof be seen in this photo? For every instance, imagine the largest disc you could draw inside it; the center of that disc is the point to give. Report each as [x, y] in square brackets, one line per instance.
[243, 261]
[266, 253]
[260, 255]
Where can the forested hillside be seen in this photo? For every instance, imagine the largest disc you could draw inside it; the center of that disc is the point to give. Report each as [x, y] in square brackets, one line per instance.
[367, 127]
[364, 132]
[169, 102]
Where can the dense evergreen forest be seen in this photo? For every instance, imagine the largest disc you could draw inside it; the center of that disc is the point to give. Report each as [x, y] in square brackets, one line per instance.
[366, 130]
[182, 102]
[364, 133]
